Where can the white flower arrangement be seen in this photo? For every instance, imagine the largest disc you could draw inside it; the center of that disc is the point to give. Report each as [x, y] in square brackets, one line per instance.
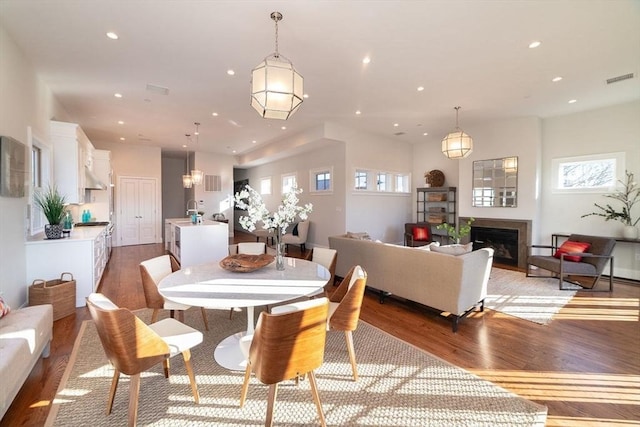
[286, 213]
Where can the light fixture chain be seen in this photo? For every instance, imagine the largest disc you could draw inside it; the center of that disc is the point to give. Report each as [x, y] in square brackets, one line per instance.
[277, 54]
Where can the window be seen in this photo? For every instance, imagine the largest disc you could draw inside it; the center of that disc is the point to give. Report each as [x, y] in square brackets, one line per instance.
[40, 177]
[36, 167]
[361, 180]
[597, 173]
[265, 185]
[321, 180]
[402, 183]
[288, 182]
[381, 182]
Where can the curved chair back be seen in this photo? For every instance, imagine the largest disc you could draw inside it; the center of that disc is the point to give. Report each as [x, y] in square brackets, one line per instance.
[346, 301]
[152, 271]
[252, 248]
[327, 258]
[130, 345]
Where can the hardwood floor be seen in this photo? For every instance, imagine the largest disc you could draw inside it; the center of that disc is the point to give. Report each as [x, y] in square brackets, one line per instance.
[584, 366]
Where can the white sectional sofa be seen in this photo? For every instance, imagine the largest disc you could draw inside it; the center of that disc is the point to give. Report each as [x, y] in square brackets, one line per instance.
[25, 334]
[448, 283]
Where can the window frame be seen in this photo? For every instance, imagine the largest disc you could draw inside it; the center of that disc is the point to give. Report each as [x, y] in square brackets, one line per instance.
[284, 186]
[263, 181]
[313, 180]
[618, 166]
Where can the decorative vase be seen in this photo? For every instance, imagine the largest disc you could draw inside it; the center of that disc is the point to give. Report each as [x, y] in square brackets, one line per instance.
[279, 249]
[53, 231]
[630, 232]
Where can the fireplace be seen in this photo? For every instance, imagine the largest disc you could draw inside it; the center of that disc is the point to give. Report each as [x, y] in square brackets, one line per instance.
[503, 241]
[508, 237]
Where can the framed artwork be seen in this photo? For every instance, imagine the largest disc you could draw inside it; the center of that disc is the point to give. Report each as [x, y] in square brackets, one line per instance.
[13, 167]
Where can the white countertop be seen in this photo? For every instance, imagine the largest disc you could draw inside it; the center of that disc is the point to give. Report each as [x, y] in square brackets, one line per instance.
[77, 233]
[186, 222]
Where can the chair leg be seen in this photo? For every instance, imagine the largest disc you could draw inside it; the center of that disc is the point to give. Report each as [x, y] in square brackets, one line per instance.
[204, 318]
[316, 397]
[192, 378]
[134, 390]
[245, 384]
[273, 393]
[352, 354]
[112, 391]
[167, 367]
[181, 315]
[154, 315]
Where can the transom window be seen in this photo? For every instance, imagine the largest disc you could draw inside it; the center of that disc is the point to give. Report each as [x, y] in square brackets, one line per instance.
[288, 182]
[593, 173]
[321, 180]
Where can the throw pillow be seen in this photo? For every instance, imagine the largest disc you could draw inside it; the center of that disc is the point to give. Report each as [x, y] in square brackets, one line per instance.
[454, 249]
[295, 230]
[4, 308]
[359, 236]
[571, 247]
[428, 247]
[420, 233]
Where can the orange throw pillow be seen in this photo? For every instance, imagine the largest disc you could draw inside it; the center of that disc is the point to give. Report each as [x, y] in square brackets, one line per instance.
[420, 233]
[571, 247]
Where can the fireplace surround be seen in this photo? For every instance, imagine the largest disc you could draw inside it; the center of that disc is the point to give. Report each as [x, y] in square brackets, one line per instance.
[516, 234]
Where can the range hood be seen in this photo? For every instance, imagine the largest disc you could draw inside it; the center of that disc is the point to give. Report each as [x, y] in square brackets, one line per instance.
[92, 182]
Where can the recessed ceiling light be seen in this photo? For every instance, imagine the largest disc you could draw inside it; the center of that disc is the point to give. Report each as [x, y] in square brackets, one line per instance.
[358, 112]
[117, 95]
[112, 35]
[420, 88]
[534, 44]
[253, 142]
[573, 101]
[366, 60]
[425, 134]
[305, 96]
[184, 145]
[233, 151]
[214, 114]
[120, 122]
[231, 72]
[396, 125]
[283, 128]
[122, 138]
[556, 79]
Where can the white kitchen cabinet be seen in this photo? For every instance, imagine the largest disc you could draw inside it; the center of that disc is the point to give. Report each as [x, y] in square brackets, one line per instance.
[70, 148]
[83, 254]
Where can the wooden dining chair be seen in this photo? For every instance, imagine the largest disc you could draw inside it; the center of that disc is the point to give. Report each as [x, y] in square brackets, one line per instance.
[133, 346]
[286, 344]
[327, 258]
[152, 272]
[344, 309]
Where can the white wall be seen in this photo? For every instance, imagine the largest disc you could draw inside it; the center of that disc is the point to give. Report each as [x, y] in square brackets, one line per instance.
[25, 102]
[606, 130]
[173, 194]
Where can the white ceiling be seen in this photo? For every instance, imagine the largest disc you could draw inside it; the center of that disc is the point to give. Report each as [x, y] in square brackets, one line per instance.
[469, 53]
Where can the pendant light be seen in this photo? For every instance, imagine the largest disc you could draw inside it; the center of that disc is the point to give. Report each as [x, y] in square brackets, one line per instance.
[276, 87]
[196, 174]
[457, 145]
[187, 181]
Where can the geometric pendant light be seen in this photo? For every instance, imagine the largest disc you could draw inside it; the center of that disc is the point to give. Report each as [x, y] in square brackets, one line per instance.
[196, 174]
[457, 144]
[276, 87]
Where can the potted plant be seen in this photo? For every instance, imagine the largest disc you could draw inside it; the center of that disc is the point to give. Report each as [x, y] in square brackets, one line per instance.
[629, 195]
[52, 204]
[457, 233]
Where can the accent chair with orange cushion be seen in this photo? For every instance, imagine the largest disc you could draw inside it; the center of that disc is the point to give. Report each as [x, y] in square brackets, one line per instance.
[417, 234]
[580, 255]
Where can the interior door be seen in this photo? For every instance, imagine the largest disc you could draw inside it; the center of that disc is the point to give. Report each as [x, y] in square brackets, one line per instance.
[137, 220]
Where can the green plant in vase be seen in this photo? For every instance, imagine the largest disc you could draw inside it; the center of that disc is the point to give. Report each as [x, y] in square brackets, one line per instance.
[52, 204]
[457, 233]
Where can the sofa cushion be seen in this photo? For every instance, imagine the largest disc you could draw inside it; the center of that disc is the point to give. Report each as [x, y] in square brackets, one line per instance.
[454, 249]
[359, 236]
[420, 233]
[572, 247]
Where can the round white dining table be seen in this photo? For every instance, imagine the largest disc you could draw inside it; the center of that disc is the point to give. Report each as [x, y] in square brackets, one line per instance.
[210, 286]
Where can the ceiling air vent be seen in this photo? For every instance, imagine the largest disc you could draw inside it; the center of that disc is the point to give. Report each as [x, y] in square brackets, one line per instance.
[620, 78]
[399, 133]
[157, 89]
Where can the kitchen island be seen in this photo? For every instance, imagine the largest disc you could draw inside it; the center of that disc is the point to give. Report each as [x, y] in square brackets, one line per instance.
[193, 244]
[84, 254]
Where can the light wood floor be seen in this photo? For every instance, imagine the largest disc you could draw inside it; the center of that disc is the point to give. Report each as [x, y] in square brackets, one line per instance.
[584, 366]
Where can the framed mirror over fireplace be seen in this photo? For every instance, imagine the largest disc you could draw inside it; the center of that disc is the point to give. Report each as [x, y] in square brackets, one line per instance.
[495, 183]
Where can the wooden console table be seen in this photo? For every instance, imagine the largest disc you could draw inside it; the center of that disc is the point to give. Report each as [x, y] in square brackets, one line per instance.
[556, 236]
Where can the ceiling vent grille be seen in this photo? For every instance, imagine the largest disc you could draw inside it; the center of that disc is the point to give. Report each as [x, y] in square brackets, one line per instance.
[399, 133]
[620, 78]
[157, 89]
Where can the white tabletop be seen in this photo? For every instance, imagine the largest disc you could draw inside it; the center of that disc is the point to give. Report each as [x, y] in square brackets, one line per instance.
[210, 286]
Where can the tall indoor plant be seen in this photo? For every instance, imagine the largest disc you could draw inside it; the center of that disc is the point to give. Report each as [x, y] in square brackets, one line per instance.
[52, 204]
[628, 195]
[276, 221]
[457, 233]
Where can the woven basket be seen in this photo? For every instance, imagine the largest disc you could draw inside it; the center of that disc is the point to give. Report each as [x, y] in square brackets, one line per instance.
[61, 293]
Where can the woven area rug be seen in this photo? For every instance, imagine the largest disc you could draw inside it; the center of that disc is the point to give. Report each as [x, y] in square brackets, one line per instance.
[399, 385]
[530, 298]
